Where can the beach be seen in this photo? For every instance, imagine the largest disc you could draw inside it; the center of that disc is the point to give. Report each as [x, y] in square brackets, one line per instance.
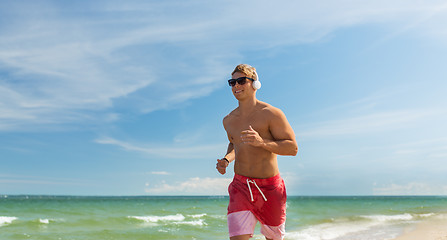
[433, 229]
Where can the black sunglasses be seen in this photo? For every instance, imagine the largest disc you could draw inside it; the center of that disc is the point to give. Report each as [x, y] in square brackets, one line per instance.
[240, 81]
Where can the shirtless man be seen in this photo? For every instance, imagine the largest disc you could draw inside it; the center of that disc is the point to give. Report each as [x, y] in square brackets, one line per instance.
[257, 132]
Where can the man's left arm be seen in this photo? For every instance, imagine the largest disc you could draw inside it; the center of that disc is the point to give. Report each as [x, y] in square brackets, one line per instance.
[283, 143]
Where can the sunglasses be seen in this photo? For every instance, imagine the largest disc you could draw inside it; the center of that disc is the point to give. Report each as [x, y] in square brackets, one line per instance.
[240, 81]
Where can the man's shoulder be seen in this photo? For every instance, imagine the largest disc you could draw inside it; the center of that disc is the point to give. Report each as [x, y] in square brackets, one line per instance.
[230, 115]
[269, 109]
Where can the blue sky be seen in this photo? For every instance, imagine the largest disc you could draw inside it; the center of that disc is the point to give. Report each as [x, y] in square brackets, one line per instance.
[127, 98]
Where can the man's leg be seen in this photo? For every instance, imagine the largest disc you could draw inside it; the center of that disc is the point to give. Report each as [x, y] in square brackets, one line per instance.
[241, 237]
[241, 225]
[245, 237]
[273, 233]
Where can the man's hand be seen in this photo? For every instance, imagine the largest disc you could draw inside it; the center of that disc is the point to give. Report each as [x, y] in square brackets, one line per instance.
[251, 137]
[221, 166]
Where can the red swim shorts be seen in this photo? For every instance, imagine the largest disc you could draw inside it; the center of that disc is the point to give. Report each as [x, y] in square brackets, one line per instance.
[265, 199]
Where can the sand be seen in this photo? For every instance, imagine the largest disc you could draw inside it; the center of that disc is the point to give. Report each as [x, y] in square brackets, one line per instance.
[427, 230]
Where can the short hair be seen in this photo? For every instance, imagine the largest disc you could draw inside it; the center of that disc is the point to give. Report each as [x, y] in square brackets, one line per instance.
[246, 69]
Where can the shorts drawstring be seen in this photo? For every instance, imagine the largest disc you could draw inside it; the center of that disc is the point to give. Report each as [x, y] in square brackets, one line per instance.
[249, 188]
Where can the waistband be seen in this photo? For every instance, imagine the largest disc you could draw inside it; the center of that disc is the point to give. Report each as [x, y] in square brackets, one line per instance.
[260, 181]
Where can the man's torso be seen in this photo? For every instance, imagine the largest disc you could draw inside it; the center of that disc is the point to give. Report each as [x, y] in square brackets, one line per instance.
[252, 161]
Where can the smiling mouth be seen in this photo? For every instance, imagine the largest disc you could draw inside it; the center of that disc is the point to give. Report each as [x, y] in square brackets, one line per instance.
[238, 91]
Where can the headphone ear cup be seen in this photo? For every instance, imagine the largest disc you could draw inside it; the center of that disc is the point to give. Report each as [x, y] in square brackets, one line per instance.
[256, 84]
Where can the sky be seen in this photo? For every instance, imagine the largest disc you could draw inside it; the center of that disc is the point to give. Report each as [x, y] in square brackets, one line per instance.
[128, 97]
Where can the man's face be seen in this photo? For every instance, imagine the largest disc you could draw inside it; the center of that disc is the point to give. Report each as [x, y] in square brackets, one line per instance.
[241, 91]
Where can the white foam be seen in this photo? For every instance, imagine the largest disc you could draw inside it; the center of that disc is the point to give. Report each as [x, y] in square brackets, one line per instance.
[198, 215]
[6, 220]
[44, 221]
[154, 219]
[220, 217]
[343, 228]
[192, 223]
[177, 219]
[387, 218]
[329, 231]
[426, 215]
[441, 216]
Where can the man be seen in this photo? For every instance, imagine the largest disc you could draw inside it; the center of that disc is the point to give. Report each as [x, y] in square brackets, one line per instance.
[257, 132]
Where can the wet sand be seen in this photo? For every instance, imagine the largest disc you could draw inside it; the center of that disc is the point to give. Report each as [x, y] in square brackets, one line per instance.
[427, 230]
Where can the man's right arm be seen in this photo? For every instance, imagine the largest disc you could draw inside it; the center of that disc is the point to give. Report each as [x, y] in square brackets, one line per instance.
[230, 156]
[222, 164]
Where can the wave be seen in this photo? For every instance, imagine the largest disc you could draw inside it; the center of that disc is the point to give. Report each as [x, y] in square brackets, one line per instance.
[389, 226]
[178, 219]
[48, 220]
[27, 222]
[199, 215]
[328, 231]
[200, 222]
[387, 218]
[154, 219]
[44, 221]
[4, 220]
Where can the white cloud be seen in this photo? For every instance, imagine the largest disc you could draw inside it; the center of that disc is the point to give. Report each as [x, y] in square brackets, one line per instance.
[369, 123]
[68, 69]
[160, 173]
[292, 180]
[412, 188]
[23, 179]
[431, 148]
[192, 186]
[173, 151]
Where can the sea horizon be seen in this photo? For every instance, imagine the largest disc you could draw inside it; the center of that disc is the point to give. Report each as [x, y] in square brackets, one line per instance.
[117, 195]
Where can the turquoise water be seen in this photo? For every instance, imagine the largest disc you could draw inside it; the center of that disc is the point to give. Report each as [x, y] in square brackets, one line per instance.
[308, 218]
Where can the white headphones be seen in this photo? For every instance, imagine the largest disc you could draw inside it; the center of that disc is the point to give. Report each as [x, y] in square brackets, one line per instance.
[256, 83]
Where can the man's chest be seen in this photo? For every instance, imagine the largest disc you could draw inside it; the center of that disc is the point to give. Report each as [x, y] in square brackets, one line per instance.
[237, 125]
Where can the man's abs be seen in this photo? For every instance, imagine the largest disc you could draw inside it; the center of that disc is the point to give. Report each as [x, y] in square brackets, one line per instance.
[256, 163]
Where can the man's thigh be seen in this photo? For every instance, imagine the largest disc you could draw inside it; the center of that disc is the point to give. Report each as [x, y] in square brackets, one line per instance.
[241, 223]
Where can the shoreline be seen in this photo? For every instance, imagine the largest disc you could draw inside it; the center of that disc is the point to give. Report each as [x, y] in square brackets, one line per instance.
[430, 229]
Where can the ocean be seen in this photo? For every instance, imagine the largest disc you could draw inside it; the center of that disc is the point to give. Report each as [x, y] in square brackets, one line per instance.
[147, 217]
